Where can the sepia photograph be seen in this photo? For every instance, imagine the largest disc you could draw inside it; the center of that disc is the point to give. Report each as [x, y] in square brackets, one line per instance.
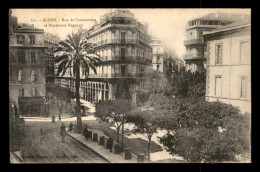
[129, 85]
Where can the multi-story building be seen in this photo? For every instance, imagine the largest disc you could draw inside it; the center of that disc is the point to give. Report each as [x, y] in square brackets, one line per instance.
[163, 57]
[51, 42]
[124, 46]
[195, 45]
[228, 69]
[26, 68]
[158, 55]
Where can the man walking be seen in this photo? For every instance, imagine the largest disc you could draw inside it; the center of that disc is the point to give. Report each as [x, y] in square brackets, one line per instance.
[60, 112]
[70, 126]
[63, 132]
[53, 118]
[59, 117]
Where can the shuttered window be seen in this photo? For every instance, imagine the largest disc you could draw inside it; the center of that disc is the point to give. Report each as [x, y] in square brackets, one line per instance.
[218, 86]
[219, 52]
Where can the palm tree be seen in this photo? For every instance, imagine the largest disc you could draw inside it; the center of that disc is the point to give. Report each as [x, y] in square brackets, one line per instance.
[76, 53]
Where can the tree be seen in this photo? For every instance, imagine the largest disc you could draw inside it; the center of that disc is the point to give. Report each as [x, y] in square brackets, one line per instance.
[77, 53]
[188, 85]
[114, 112]
[146, 122]
[214, 132]
[158, 82]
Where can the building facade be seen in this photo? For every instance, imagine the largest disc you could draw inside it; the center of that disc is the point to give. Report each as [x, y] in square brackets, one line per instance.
[26, 67]
[163, 58]
[195, 44]
[51, 43]
[228, 69]
[124, 48]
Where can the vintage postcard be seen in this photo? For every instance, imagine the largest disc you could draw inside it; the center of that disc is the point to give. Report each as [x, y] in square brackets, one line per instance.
[130, 85]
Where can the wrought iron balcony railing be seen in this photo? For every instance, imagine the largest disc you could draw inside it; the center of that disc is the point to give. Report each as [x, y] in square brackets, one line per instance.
[116, 75]
[117, 41]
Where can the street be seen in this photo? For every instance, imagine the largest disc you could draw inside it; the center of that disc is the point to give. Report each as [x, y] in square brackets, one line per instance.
[53, 150]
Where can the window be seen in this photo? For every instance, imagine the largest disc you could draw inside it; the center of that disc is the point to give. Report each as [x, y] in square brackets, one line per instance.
[243, 87]
[158, 66]
[19, 75]
[219, 51]
[35, 92]
[158, 58]
[33, 75]
[218, 86]
[33, 58]
[21, 92]
[244, 52]
[21, 57]
[20, 39]
[32, 39]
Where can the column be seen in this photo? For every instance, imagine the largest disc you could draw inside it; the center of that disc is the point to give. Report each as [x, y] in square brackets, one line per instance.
[104, 92]
[111, 92]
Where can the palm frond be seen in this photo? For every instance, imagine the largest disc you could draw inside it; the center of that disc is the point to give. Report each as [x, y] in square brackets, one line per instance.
[59, 49]
[66, 46]
[66, 67]
[94, 60]
[61, 66]
[60, 58]
[93, 67]
[71, 40]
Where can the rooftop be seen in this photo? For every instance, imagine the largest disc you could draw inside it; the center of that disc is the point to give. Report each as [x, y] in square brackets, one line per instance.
[222, 17]
[241, 23]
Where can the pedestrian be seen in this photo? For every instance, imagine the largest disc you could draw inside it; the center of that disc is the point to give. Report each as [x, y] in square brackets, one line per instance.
[85, 132]
[70, 126]
[63, 132]
[110, 143]
[53, 118]
[41, 135]
[60, 109]
[59, 117]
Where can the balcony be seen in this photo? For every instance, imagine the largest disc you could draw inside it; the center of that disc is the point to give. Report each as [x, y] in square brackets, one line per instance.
[125, 58]
[158, 52]
[156, 62]
[117, 41]
[194, 41]
[193, 56]
[116, 75]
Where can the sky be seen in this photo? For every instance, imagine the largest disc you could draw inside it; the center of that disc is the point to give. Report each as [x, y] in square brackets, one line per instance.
[165, 24]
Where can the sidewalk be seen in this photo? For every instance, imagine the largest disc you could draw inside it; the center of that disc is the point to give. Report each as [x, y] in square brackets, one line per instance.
[101, 150]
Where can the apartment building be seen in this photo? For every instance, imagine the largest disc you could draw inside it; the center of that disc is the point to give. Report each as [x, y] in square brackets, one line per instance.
[51, 43]
[195, 44]
[164, 58]
[124, 48]
[26, 67]
[228, 67]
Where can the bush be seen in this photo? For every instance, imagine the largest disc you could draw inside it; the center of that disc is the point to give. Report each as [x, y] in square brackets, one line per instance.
[203, 131]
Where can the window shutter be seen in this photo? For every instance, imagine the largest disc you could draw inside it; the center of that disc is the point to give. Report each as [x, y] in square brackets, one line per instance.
[32, 75]
[20, 75]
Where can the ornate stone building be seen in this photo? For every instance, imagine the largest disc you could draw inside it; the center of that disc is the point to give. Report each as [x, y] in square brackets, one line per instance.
[164, 58]
[124, 46]
[26, 67]
[51, 42]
